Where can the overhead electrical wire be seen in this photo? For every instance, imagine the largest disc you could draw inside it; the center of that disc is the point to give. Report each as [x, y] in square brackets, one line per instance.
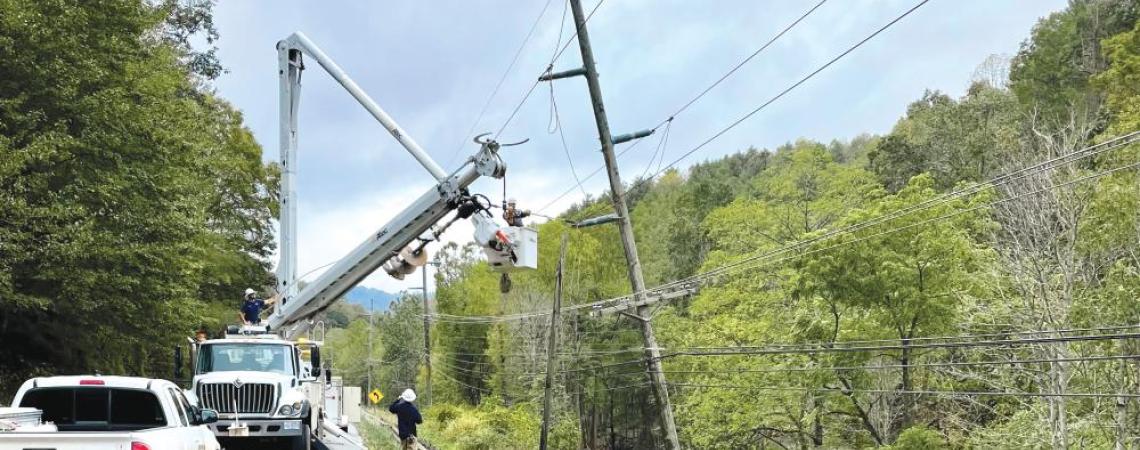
[948, 393]
[743, 351]
[743, 62]
[793, 248]
[502, 79]
[707, 89]
[796, 249]
[793, 86]
[549, 67]
[562, 137]
[1012, 362]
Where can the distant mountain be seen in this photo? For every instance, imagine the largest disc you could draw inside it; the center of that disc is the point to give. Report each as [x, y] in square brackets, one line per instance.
[362, 295]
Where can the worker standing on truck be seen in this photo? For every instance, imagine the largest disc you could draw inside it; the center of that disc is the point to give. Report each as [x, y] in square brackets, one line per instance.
[407, 416]
[513, 215]
[251, 307]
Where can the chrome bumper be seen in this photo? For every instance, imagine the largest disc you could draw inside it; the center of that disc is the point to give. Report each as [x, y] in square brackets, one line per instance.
[260, 428]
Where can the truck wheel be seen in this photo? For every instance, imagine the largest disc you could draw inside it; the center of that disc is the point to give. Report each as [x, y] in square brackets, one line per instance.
[304, 441]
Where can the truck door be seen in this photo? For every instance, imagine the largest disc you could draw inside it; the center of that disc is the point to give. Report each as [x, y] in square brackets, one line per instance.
[189, 437]
[203, 437]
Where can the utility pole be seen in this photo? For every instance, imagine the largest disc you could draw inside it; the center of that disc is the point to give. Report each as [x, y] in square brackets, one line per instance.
[427, 336]
[368, 361]
[625, 226]
[552, 346]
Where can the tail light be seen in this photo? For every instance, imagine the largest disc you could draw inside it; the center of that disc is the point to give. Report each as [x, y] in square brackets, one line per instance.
[136, 445]
[91, 382]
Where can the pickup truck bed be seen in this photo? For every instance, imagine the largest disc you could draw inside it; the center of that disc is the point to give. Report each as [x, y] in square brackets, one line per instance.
[109, 413]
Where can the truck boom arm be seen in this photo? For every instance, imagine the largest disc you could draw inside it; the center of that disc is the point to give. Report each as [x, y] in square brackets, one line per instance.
[385, 245]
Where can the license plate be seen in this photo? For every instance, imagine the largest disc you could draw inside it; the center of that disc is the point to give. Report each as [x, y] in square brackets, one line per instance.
[241, 431]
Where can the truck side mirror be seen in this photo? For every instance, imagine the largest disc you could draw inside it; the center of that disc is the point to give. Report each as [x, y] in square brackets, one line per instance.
[206, 416]
[177, 362]
[315, 358]
[328, 376]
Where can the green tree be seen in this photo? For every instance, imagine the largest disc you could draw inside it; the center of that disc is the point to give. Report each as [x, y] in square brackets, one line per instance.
[131, 199]
[952, 140]
[1051, 72]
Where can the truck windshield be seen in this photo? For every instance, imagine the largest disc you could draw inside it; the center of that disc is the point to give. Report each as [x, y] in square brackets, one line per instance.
[96, 408]
[274, 358]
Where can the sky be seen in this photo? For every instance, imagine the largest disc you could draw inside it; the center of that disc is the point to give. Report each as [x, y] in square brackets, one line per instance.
[433, 65]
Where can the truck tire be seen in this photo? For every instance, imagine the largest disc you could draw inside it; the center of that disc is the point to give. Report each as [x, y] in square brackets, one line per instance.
[304, 441]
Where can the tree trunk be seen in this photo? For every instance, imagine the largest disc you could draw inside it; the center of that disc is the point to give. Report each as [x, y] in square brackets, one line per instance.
[1058, 419]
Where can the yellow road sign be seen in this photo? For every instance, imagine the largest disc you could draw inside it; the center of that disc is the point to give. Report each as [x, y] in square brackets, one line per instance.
[375, 396]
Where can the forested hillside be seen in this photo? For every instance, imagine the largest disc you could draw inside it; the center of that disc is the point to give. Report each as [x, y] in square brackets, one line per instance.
[134, 205]
[966, 280]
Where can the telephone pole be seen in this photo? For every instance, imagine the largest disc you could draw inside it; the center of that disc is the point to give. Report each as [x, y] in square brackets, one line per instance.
[427, 334]
[625, 226]
[368, 361]
[552, 346]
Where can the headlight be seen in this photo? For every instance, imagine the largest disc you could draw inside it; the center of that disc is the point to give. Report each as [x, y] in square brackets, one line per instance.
[290, 410]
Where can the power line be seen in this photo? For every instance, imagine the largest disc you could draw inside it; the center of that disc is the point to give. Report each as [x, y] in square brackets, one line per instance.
[775, 350]
[900, 366]
[740, 267]
[819, 349]
[548, 68]
[910, 392]
[774, 256]
[922, 206]
[793, 86]
[502, 79]
[744, 61]
[576, 30]
[483, 390]
[562, 137]
[771, 100]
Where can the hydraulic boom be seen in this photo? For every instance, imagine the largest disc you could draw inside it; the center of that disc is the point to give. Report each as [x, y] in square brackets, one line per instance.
[393, 245]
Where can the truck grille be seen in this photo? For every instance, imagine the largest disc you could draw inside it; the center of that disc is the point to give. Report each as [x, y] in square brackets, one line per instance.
[251, 398]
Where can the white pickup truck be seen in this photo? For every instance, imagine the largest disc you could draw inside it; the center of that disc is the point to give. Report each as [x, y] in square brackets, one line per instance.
[109, 413]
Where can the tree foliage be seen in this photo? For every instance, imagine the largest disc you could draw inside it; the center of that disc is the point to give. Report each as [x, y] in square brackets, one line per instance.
[132, 199]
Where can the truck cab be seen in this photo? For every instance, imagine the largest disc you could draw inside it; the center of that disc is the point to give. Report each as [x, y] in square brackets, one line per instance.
[255, 381]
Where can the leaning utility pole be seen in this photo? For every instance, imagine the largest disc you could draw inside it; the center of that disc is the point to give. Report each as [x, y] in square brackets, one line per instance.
[625, 227]
[427, 337]
[552, 345]
[368, 361]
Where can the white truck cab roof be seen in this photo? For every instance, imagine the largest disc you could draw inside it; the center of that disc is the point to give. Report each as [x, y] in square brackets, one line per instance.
[97, 380]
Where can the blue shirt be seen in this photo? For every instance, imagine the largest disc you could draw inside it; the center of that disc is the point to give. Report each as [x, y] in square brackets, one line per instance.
[251, 310]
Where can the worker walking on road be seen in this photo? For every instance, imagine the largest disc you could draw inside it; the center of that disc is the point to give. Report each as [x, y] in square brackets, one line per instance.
[251, 307]
[407, 416]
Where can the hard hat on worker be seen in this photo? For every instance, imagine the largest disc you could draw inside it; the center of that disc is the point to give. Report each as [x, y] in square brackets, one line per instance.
[249, 292]
[512, 201]
[408, 395]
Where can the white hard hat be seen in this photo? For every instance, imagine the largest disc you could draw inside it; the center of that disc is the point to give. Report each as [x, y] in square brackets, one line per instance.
[511, 201]
[249, 292]
[408, 395]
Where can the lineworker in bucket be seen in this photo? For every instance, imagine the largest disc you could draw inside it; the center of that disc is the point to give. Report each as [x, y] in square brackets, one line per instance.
[513, 215]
